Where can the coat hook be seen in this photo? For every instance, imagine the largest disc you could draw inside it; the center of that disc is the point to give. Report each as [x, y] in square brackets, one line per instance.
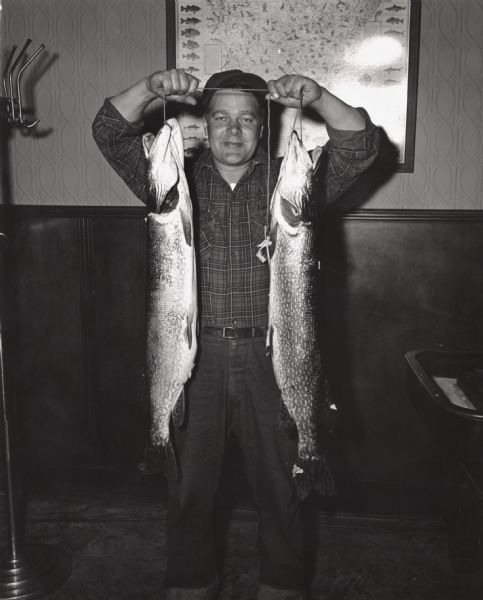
[5, 72]
[19, 96]
[10, 76]
[15, 116]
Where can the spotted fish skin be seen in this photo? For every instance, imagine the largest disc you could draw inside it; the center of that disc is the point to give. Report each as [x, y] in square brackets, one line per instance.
[172, 311]
[294, 335]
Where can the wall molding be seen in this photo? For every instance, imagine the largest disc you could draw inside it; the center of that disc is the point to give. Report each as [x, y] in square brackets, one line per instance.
[27, 211]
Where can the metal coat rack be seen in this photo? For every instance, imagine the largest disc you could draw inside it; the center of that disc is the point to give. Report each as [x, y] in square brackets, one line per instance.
[27, 571]
[12, 107]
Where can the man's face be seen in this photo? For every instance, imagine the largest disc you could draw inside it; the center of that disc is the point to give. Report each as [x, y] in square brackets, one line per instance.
[234, 126]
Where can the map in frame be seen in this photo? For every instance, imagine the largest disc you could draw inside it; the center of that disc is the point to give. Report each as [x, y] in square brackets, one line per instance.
[357, 49]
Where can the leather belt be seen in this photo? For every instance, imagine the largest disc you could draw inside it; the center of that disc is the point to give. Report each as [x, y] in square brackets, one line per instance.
[234, 332]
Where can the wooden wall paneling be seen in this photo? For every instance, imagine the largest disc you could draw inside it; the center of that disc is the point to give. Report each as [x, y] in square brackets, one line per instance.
[392, 286]
[394, 281]
[3, 326]
[46, 363]
[118, 262]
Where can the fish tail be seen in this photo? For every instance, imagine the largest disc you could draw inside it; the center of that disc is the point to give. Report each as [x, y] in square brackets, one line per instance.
[151, 461]
[159, 453]
[160, 459]
[313, 474]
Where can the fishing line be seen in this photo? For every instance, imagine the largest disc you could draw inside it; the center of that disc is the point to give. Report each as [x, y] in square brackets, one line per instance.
[268, 164]
[238, 89]
[265, 245]
[298, 115]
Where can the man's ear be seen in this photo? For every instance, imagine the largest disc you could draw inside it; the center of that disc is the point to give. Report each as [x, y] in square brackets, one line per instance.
[205, 127]
[261, 132]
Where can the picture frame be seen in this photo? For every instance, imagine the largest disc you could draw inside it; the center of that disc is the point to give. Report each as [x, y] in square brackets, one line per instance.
[364, 51]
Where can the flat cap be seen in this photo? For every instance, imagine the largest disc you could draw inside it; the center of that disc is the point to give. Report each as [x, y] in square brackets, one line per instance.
[235, 79]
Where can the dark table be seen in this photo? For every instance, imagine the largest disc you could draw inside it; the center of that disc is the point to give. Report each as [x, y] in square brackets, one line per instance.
[435, 384]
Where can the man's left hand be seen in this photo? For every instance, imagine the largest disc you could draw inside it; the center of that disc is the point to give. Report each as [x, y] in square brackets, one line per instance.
[290, 88]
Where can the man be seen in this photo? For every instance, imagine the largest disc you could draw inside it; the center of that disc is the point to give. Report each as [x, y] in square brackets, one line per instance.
[233, 389]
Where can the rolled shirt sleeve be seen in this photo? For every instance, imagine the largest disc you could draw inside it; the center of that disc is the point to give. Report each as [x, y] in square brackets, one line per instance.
[345, 157]
[340, 162]
[120, 142]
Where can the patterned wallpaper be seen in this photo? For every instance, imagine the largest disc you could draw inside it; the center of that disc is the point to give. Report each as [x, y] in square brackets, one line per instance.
[98, 47]
[449, 130]
[95, 48]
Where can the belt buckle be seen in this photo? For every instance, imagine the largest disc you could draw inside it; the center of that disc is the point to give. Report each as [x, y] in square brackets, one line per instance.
[229, 329]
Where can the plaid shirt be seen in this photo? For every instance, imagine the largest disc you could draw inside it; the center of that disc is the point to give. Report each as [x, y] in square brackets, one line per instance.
[234, 283]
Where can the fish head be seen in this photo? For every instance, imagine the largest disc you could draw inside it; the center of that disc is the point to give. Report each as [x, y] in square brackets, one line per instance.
[163, 171]
[295, 181]
[177, 145]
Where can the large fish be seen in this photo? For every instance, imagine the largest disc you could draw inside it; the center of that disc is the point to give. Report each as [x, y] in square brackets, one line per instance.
[293, 334]
[171, 281]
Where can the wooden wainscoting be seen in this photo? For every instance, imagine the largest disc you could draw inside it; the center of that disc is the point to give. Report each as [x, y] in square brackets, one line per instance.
[394, 281]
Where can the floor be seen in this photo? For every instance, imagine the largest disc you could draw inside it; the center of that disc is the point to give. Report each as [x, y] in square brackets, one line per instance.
[113, 534]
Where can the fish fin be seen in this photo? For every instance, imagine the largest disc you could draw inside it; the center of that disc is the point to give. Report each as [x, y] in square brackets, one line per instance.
[273, 240]
[148, 139]
[286, 421]
[296, 200]
[187, 229]
[269, 341]
[292, 213]
[327, 415]
[170, 462]
[316, 154]
[152, 460]
[284, 215]
[179, 410]
[274, 199]
[161, 456]
[189, 330]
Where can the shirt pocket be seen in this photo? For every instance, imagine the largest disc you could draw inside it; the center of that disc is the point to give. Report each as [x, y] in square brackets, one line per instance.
[258, 220]
[206, 233]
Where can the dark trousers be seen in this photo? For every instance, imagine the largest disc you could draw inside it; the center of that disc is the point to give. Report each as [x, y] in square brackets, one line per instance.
[233, 391]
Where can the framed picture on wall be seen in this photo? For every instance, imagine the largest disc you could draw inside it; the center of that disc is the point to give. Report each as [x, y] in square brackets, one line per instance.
[364, 51]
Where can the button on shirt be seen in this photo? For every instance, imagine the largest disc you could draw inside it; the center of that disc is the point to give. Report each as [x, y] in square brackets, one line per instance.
[233, 282]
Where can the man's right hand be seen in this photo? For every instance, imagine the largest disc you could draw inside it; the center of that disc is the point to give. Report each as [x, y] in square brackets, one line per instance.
[174, 84]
